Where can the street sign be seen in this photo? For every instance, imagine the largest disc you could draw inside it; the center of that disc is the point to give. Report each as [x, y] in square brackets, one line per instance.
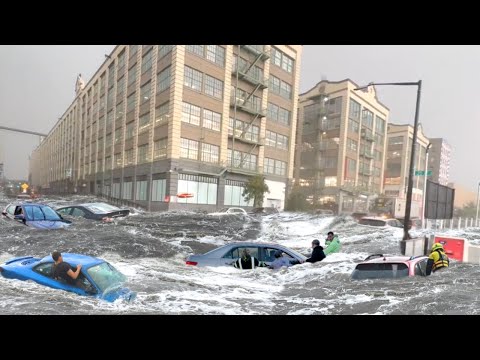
[24, 186]
[422, 173]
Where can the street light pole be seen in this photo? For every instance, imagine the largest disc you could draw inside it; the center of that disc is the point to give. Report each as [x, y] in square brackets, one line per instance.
[408, 204]
[424, 223]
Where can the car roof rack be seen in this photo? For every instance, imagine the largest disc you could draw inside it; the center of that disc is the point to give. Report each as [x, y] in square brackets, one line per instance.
[373, 256]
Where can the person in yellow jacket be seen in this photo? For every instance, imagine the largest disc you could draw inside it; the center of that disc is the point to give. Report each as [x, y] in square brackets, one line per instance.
[437, 259]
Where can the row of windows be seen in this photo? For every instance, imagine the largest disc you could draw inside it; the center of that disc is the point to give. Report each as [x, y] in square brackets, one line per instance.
[276, 167]
[242, 160]
[280, 59]
[198, 81]
[194, 115]
[278, 114]
[280, 87]
[243, 130]
[278, 141]
[213, 53]
[189, 150]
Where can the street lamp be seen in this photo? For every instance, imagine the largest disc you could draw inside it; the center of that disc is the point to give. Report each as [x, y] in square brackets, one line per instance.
[408, 204]
[424, 223]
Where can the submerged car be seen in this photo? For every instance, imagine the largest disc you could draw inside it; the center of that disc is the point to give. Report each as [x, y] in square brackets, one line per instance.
[228, 254]
[97, 277]
[35, 215]
[95, 211]
[230, 211]
[378, 266]
[380, 221]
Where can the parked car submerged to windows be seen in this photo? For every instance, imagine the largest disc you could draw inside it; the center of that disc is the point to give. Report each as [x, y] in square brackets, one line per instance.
[35, 215]
[378, 221]
[94, 211]
[226, 255]
[379, 266]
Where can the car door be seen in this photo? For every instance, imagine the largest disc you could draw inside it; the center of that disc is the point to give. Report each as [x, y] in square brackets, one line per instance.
[78, 212]
[236, 252]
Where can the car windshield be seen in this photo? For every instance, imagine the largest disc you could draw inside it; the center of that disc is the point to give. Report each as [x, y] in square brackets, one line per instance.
[380, 271]
[105, 276]
[41, 213]
[101, 208]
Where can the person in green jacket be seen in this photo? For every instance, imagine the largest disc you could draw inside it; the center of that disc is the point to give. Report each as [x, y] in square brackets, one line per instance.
[332, 243]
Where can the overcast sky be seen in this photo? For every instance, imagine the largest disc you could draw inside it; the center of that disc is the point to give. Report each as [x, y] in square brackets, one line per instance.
[37, 85]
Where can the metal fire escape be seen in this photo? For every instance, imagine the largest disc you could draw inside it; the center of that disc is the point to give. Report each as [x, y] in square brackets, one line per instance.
[246, 69]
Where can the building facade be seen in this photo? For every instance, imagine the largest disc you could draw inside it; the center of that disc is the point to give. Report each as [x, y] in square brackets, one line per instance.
[399, 149]
[439, 158]
[178, 126]
[341, 146]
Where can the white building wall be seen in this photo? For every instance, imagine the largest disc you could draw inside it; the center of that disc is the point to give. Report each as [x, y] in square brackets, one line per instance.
[276, 197]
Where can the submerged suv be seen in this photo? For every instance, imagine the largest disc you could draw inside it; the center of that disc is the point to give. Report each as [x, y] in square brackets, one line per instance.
[378, 266]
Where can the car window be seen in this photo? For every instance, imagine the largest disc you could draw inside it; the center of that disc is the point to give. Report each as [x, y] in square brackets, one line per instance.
[65, 211]
[237, 252]
[106, 276]
[45, 269]
[11, 209]
[380, 271]
[49, 213]
[421, 267]
[78, 212]
[268, 254]
[34, 213]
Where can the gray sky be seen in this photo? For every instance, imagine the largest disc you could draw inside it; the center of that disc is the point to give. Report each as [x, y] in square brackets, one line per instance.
[37, 85]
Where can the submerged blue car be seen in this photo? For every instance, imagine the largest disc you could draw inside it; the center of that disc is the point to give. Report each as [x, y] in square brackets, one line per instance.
[36, 215]
[97, 277]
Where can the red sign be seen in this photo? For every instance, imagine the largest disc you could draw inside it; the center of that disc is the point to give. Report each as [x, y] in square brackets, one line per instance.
[185, 195]
[454, 247]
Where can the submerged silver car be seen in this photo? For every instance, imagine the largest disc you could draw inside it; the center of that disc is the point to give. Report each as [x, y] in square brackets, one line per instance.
[226, 255]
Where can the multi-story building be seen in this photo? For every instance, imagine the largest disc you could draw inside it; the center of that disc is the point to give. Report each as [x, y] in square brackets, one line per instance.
[166, 126]
[399, 149]
[341, 146]
[439, 160]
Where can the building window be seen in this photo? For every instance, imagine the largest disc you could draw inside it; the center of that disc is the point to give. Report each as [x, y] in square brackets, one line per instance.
[367, 118]
[270, 138]
[133, 49]
[355, 109]
[143, 154]
[330, 181]
[280, 168]
[164, 50]
[189, 149]
[193, 79]
[163, 80]
[108, 163]
[127, 190]
[147, 62]
[280, 87]
[191, 114]
[242, 160]
[116, 190]
[143, 122]
[141, 187]
[121, 60]
[129, 157]
[280, 59]
[131, 103]
[213, 53]
[119, 112]
[211, 120]
[118, 160]
[278, 114]
[213, 87]
[130, 130]
[352, 144]
[145, 92]
[269, 166]
[161, 113]
[132, 75]
[118, 135]
[379, 125]
[233, 194]
[282, 142]
[395, 140]
[160, 149]
[210, 153]
[203, 189]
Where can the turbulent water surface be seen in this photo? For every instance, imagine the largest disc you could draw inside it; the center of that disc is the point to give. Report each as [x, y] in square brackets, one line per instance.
[150, 249]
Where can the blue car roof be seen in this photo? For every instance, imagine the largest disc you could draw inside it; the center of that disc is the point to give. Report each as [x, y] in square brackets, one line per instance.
[75, 259]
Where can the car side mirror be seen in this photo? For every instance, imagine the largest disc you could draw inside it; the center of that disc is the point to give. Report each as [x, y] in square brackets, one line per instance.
[4, 213]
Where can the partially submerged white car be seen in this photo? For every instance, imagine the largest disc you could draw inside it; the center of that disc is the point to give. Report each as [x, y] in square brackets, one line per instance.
[230, 211]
